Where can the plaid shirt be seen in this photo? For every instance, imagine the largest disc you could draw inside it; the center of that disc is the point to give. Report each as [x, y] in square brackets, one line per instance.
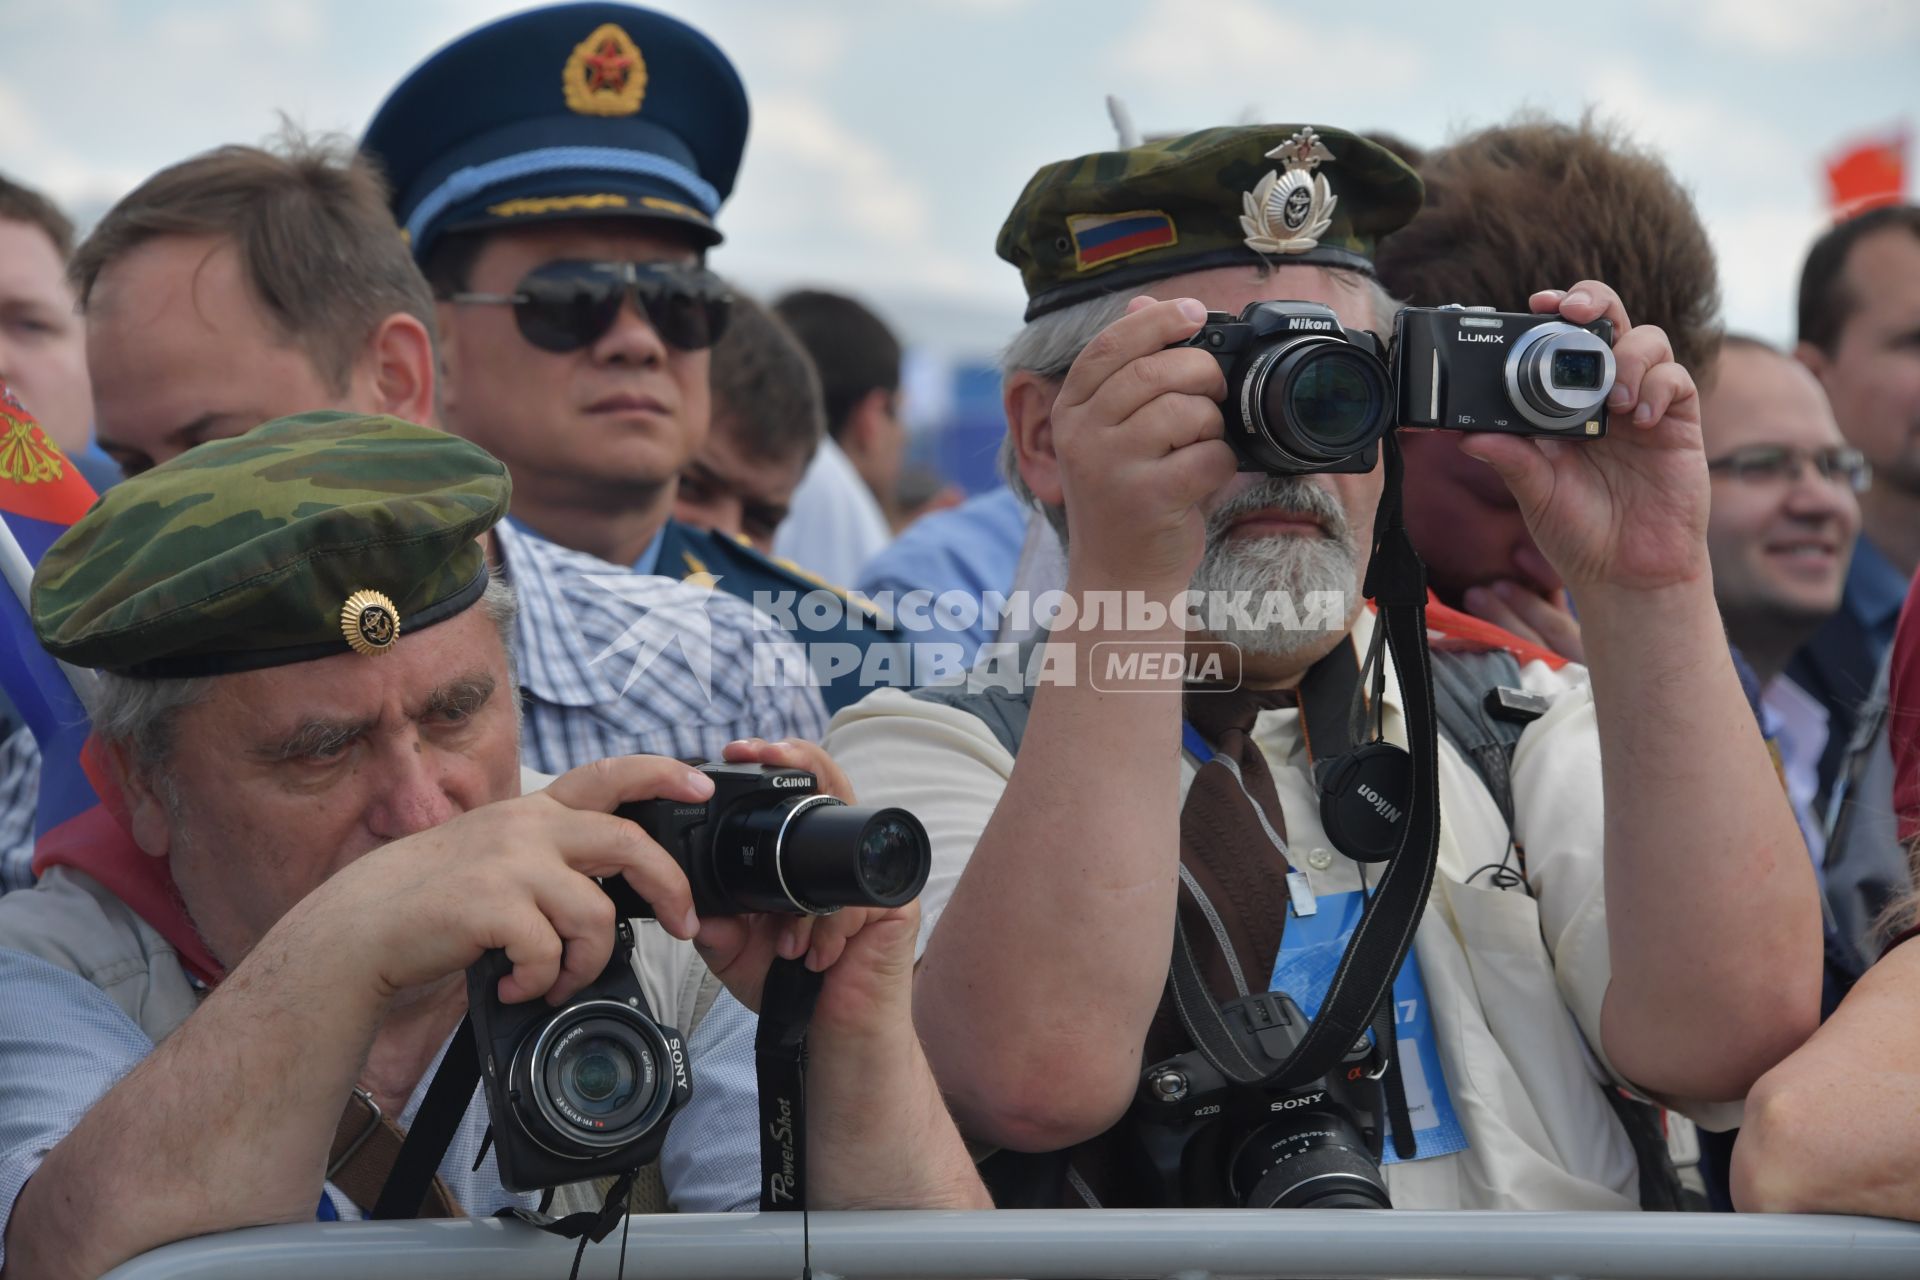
[587, 628]
[19, 796]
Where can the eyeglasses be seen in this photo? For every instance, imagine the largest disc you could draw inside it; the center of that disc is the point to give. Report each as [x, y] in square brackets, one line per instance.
[564, 306]
[1773, 463]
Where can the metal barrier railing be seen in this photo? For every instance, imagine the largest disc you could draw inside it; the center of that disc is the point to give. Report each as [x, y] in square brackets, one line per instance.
[1059, 1245]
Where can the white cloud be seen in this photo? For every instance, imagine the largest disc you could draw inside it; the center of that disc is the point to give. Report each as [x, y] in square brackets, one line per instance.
[1704, 138]
[1760, 251]
[1795, 28]
[1284, 59]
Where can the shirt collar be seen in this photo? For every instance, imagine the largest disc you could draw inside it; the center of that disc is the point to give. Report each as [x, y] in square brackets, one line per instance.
[647, 562]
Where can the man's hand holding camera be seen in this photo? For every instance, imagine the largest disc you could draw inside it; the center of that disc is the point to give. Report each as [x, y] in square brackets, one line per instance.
[1623, 520]
[518, 875]
[1629, 510]
[1137, 431]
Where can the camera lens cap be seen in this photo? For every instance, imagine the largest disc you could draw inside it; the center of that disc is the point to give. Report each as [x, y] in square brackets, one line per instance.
[1363, 800]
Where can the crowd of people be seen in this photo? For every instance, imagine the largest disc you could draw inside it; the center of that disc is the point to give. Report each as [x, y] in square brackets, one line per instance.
[449, 501]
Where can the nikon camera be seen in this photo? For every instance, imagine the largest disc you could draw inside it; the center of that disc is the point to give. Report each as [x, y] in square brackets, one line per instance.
[1210, 1142]
[1303, 393]
[588, 1089]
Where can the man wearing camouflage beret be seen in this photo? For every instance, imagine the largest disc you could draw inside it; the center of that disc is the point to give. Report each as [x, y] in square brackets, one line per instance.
[1567, 951]
[307, 702]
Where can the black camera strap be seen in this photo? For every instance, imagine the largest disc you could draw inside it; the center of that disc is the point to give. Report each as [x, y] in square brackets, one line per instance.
[431, 1133]
[780, 1061]
[1363, 981]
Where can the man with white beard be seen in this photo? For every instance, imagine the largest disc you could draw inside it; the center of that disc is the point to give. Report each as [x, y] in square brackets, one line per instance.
[1088, 821]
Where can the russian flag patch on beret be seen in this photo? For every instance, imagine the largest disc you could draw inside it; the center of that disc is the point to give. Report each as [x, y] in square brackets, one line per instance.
[1100, 238]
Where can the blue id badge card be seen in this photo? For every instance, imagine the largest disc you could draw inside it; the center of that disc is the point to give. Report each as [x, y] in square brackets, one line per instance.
[1310, 951]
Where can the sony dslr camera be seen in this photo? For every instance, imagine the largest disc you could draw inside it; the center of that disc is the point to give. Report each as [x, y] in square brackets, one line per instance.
[587, 1090]
[1305, 394]
[1210, 1142]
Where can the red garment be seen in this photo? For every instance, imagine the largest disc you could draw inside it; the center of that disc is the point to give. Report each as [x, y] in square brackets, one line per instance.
[1903, 717]
[97, 842]
[1451, 629]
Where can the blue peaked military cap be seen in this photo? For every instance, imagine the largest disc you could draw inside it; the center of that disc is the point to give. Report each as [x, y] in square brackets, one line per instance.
[571, 111]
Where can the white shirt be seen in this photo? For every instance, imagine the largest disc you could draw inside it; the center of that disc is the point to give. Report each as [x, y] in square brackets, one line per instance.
[834, 524]
[1516, 981]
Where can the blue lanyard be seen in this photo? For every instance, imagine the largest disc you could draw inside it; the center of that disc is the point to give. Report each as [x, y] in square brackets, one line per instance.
[1194, 743]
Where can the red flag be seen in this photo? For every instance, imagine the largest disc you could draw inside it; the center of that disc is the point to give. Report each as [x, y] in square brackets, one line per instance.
[1870, 173]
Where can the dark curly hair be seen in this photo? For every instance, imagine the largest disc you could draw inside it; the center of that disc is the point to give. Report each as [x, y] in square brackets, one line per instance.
[1537, 204]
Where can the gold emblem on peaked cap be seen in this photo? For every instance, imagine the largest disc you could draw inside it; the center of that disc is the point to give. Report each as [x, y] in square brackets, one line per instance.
[605, 76]
[1289, 212]
[369, 622]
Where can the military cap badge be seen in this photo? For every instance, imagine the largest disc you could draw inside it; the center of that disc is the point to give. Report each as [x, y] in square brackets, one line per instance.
[370, 622]
[1289, 212]
[605, 76]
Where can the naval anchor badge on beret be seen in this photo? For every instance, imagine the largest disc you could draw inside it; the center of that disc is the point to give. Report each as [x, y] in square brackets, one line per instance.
[1289, 212]
[370, 622]
[606, 76]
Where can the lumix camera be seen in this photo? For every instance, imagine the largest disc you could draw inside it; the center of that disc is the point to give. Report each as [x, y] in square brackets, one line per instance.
[1210, 1142]
[587, 1090]
[1304, 394]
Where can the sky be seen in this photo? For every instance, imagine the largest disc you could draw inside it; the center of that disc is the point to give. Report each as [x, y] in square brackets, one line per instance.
[890, 137]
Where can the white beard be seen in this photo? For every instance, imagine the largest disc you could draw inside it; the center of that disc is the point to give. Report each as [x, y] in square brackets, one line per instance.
[1300, 566]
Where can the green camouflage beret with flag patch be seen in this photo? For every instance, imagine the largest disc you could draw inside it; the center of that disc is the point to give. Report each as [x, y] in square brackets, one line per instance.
[307, 537]
[1245, 195]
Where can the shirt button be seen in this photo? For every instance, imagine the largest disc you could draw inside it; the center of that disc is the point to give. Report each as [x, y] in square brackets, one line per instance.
[1320, 859]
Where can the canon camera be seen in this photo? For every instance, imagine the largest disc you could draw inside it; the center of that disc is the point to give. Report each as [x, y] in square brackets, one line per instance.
[587, 1090]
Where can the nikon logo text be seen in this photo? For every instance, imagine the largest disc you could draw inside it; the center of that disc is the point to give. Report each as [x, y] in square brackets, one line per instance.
[1480, 337]
[789, 780]
[1294, 1104]
[1380, 804]
[1307, 322]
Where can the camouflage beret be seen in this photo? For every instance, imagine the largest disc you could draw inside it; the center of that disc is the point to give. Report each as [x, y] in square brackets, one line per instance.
[1250, 194]
[304, 538]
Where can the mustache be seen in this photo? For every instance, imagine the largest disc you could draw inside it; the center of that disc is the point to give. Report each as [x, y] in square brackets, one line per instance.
[1291, 495]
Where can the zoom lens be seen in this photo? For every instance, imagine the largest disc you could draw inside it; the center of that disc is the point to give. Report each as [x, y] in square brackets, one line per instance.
[1316, 401]
[593, 1078]
[813, 854]
[1558, 376]
[1313, 1160]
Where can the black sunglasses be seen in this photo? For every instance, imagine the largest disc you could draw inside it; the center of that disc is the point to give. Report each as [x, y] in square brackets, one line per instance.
[564, 306]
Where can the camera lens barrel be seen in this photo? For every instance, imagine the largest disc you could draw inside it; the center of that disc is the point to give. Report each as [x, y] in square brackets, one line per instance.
[596, 1077]
[1558, 375]
[814, 854]
[1315, 1160]
[1312, 401]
